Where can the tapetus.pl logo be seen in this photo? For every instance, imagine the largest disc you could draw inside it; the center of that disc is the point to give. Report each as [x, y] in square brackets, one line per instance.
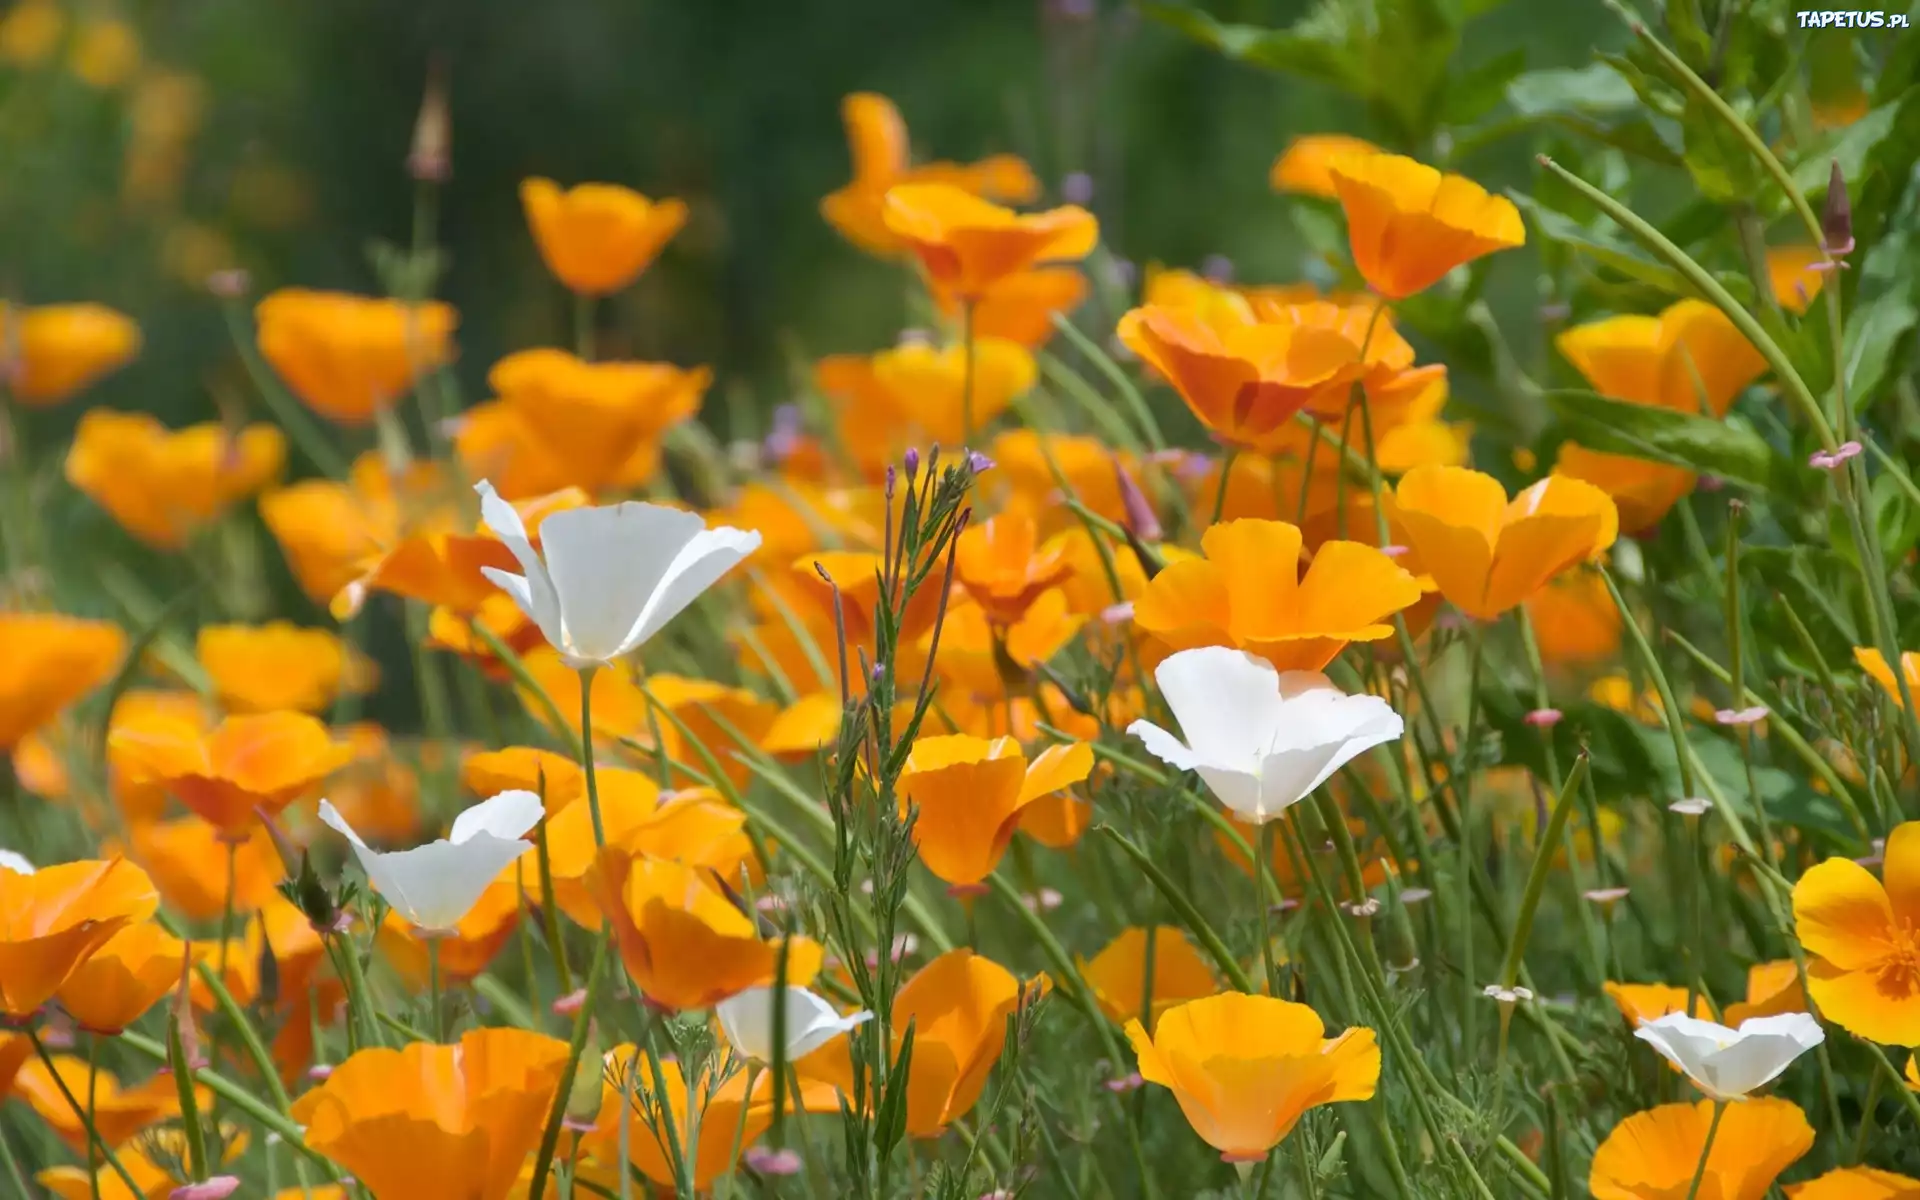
[1830, 18]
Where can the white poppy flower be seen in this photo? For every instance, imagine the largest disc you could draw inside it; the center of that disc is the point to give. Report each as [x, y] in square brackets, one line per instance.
[435, 885]
[13, 860]
[613, 575]
[1729, 1063]
[812, 1022]
[1260, 739]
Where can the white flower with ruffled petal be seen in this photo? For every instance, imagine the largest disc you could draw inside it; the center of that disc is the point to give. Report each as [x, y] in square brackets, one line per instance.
[1729, 1063]
[434, 886]
[812, 1022]
[13, 860]
[1259, 738]
[612, 575]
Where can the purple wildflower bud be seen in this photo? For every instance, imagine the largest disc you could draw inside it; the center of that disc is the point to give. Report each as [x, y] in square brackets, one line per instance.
[913, 462]
[773, 1162]
[1218, 268]
[784, 438]
[1140, 518]
[1077, 188]
[891, 480]
[978, 463]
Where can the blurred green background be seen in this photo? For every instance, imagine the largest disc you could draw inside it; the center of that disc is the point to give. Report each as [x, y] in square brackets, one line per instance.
[273, 136]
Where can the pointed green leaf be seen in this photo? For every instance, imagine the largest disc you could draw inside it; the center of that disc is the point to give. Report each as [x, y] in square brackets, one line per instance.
[1665, 435]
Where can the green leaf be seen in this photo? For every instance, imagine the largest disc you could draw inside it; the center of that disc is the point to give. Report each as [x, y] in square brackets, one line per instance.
[1471, 94]
[1849, 149]
[1595, 88]
[1317, 47]
[1897, 518]
[1720, 163]
[1665, 435]
[1873, 335]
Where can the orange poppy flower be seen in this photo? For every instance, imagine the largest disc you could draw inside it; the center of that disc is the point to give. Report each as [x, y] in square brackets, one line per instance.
[1639, 1002]
[1243, 381]
[1689, 359]
[459, 633]
[683, 941]
[464, 953]
[52, 661]
[346, 356]
[1408, 224]
[1020, 458]
[590, 418]
[1793, 277]
[1866, 934]
[59, 349]
[155, 1181]
[619, 706]
[1655, 1153]
[707, 709]
[123, 978]
[1575, 620]
[53, 920]
[179, 855]
[1773, 988]
[1118, 974]
[1642, 491]
[1003, 567]
[15, 1050]
[981, 660]
[877, 138]
[264, 760]
[329, 529]
[1488, 554]
[140, 797]
[1020, 307]
[1305, 166]
[430, 1120]
[857, 575]
[1875, 665]
[118, 1112]
[555, 778]
[730, 1118]
[1246, 1068]
[596, 238]
[1856, 1183]
[968, 793]
[958, 1005]
[925, 388]
[262, 668]
[1247, 593]
[628, 800]
[967, 244]
[161, 485]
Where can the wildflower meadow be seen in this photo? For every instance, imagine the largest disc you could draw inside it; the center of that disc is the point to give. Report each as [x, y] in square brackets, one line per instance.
[1435, 722]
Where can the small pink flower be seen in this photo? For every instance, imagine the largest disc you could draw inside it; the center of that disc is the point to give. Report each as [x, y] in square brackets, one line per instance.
[569, 1004]
[773, 1162]
[1606, 896]
[771, 903]
[1393, 551]
[1117, 614]
[1046, 901]
[1831, 462]
[1126, 1083]
[1415, 895]
[1742, 716]
[219, 1187]
[319, 1072]
[1543, 718]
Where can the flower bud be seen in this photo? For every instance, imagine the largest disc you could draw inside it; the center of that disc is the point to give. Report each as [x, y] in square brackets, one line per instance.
[431, 158]
[1836, 223]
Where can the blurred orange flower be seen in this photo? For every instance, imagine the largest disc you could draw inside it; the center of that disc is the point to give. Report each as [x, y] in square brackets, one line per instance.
[118, 1112]
[346, 356]
[261, 668]
[123, 978]
[958, 1005]
[1248, 593]
[1021, 307]
[1690, 358]
[1865, 933]
[1773, 988]
[51, 661]
[967, 244]
[186, 859]
[1118, 974]
[1244, 381]
[925, 388]
[597, 238]
[378, 792]
[877, 138]
[261, 760]
[1856, 1183]
[589, 420]
[1408, 224]
[1305, 166]
[1004, 568]
[330, 529]
[53, 920]
[1639, 1002]
[1488, 554]
[430, 1120]
[1656, 1152]
[163, 485]
[1793, 277]
[686, 944]
[1575, 620]
[53, 351]
[968, 793]
[1245, 1068]
[1875, 665]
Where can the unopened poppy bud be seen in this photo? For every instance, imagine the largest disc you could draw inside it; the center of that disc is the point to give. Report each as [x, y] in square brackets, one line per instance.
[1836, 223]
[430, 160]
[583, 1100]
[1141, 520]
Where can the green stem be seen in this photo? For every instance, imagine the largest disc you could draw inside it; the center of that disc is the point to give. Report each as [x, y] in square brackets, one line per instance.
[433, 989]
[1700, 1172]
[556, 1116]
[240, 1097]
[85, 1113]
[586, 754]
